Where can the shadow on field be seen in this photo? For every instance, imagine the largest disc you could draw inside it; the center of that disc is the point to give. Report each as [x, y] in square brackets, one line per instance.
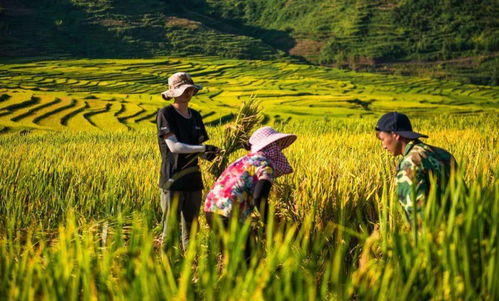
[78, 29]
[278, 39]
[62, 30]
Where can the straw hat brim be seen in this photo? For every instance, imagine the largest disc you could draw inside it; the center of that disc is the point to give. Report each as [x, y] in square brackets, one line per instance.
[172, 93]
[282, 140]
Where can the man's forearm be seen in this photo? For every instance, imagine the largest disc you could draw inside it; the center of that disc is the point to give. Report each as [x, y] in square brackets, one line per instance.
[177, 147]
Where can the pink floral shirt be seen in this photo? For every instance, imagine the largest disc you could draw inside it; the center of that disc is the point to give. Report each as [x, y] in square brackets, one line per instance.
[236, 184]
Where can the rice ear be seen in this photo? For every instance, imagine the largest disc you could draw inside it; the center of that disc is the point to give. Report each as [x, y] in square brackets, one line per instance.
[236, 134]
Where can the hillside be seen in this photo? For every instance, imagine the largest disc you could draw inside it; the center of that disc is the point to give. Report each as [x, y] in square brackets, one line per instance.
[457, 39]
[115, 29]
[408, 36]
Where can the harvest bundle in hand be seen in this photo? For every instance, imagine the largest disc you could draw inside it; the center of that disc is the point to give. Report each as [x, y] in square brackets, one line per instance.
[236, 134]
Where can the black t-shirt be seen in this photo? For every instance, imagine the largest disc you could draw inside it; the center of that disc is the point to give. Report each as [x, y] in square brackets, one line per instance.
[189, 131]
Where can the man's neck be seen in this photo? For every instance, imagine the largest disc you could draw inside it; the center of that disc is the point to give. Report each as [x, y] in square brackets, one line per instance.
[404, 146]
[182, 108]
[405, 142]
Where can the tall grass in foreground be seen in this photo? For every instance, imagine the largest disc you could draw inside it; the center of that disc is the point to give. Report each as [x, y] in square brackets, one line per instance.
[453, 257]
[78, 214]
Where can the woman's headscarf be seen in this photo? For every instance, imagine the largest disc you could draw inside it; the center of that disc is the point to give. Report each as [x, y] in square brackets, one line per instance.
[277, 158]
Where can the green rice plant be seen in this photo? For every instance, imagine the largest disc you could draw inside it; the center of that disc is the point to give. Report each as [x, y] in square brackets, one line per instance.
[452, 255]
[449, 258]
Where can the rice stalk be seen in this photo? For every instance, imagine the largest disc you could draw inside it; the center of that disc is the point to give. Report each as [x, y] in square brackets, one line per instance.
[236, 134]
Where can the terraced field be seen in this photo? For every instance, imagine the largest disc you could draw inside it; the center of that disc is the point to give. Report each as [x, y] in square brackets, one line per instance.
[124, 94]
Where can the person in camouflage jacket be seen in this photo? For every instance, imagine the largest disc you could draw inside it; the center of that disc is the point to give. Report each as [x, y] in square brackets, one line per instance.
[421, 165]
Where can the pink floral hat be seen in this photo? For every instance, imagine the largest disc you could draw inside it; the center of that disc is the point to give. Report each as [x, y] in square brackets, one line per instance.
[266, 135]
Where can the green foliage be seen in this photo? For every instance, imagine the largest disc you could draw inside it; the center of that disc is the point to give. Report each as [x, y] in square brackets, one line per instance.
[94, 6]
[106, 28]
[413, 28]
[440, 30]
[357, 34]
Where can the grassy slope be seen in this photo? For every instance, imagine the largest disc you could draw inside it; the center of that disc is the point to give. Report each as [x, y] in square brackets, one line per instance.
[364, 34]
[457, 38]
[104, 29]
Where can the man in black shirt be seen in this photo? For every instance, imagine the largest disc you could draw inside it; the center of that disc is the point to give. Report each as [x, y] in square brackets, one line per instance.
[181, 133]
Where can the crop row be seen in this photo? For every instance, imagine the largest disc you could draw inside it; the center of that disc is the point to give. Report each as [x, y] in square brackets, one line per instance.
[75, 113]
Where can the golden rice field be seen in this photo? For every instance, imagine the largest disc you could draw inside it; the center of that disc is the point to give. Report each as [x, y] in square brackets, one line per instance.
[124, 94]
[79, 210]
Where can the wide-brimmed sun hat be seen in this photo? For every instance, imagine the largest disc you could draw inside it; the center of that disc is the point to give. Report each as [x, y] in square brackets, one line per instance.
[267, 135]
[397, 123]
[178, 83]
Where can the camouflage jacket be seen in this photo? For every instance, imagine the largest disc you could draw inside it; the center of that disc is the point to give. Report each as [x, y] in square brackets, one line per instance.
[420, 163]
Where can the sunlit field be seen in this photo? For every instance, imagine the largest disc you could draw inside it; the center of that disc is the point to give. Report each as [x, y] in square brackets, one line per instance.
[124, 94]
[79, 205]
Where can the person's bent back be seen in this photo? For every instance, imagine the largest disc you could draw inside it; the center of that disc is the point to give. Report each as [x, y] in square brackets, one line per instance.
[421, 164]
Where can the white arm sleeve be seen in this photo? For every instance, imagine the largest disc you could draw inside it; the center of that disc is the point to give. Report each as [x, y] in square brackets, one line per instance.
[182, 148]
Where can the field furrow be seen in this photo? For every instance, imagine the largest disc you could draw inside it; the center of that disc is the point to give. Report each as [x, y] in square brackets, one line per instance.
[104, 119]
[53, 117]
[65, 119]
[32, 112]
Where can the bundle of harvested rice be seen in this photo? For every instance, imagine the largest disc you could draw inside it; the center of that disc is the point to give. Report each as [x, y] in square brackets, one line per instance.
[236, 134]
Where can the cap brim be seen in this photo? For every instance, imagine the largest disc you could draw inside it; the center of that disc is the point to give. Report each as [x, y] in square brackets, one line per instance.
[411, 135]
[172, 93]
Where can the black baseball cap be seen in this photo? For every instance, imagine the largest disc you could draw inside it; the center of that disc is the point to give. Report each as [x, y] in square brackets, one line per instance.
[397, 123]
